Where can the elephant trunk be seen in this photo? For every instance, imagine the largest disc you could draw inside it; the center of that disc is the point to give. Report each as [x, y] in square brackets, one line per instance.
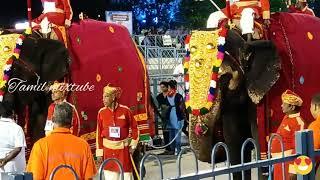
[203, 145]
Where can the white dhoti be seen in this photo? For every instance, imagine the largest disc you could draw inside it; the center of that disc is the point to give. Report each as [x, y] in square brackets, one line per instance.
[110, 175]
[214, 18]
[246, 21]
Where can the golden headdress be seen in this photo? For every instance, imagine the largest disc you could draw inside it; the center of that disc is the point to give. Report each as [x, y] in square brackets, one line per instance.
[292, 98]
[112, 90]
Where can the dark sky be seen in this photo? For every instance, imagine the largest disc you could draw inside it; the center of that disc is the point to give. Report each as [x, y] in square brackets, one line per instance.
[12, 11]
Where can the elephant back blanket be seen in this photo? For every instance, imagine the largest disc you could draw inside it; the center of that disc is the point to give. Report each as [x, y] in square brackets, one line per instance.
[104, 53]
[297, 38]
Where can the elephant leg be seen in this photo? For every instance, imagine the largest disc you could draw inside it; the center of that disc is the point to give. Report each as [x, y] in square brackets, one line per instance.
[234, 139]
[37, 122]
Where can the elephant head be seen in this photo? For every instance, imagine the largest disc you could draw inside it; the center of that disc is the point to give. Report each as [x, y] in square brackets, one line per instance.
[247, 73]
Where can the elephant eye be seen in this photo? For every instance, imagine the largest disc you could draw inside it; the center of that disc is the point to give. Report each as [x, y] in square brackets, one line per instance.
[6, 49]
[210, 46]
[193, 49]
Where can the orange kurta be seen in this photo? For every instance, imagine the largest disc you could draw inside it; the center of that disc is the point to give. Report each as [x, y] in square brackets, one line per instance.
[289, 125]
[61, 147]
[261, 8]
[111, 147]
[75, 129]
[315, 127]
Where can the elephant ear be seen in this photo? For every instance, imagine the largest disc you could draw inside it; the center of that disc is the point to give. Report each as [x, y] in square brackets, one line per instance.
[263, 68]
[55, 59]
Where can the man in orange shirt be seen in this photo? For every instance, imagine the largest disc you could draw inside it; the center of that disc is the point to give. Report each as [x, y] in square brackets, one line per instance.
[61, 148]
[58, 96]
[113, 138]
[292, 122]
[315, 125]
[245, 10]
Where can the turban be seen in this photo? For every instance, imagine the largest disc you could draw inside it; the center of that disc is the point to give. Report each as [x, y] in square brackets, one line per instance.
[59, 86]
[302, 1]
[292, 98]
[110, 90]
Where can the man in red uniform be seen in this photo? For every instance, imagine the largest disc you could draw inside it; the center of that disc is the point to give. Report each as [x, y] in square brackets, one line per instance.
[246, 11]
[292, 122]
[58, 13]
[58, 96]
[113, 138]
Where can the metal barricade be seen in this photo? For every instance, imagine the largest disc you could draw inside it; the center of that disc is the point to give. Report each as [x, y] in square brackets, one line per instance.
[180, 157]
[269, 152]
[213, 154]
[255, 151]
[107, 161]
[55, 170]
[145, 158]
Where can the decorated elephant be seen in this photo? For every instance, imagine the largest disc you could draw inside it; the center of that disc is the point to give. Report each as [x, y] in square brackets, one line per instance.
[234, 84]
[29, 62]
[95, 62]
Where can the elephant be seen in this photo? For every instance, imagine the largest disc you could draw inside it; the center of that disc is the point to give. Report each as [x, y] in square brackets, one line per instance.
[41, 62]
[252, 77]
[248, 71]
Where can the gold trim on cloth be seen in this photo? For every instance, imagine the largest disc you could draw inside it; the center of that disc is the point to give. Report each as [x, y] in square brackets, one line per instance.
[115, 144]
[279, 154]
[141, 117]
[248, 3]
[266, 14]
[89, 136]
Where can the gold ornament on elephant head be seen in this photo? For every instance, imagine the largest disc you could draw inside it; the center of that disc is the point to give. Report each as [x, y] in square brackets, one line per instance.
[7, 45]
[202, 63]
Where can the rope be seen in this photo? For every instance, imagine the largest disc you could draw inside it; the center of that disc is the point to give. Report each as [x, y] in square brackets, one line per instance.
[161, 147]
[134, 167]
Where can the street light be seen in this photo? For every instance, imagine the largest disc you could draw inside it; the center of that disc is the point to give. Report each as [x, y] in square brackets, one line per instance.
[20, 26]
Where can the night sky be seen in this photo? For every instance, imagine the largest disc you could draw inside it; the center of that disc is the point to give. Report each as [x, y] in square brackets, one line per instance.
[12, 11]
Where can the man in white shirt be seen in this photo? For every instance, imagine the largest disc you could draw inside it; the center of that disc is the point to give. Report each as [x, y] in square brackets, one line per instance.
[12, 141]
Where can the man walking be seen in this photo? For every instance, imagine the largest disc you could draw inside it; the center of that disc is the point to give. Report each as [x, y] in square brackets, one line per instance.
[113, 138]
[163, 104]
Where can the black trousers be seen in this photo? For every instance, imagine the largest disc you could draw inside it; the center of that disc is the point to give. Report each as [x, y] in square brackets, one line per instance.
[166, 138]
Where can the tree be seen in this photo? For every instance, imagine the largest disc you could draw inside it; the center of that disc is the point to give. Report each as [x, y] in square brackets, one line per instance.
[155, 13]
[195, 13]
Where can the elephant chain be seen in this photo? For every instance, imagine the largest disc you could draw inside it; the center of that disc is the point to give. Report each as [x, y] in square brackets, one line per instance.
[290, 54]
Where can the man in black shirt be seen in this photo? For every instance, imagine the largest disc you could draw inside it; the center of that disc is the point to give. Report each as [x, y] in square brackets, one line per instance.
[163, 104]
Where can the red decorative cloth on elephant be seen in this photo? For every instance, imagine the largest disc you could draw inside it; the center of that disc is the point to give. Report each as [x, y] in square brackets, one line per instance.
[289, 125]
[75, 129]
[299, 68]
[114, 138]
[116, 61]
